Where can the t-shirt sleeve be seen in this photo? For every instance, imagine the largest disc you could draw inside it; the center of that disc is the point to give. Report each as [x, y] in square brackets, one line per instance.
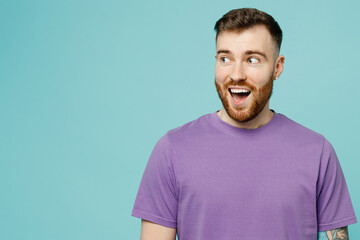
[334, 207]
[157, 198]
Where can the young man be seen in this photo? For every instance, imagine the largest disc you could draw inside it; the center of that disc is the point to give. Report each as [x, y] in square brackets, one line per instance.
[246, 171]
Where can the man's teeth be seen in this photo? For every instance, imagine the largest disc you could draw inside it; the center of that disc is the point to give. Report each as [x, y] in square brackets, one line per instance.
[236, 90]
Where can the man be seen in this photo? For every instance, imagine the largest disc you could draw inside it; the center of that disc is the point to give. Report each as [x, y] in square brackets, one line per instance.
[246, 171]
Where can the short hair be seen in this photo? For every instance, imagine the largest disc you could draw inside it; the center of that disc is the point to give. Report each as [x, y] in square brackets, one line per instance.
[245, 18]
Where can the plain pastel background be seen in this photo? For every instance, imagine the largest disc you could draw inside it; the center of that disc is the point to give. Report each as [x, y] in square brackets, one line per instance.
[88, 87]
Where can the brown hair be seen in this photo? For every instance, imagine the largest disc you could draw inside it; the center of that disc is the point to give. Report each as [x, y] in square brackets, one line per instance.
[244, 18]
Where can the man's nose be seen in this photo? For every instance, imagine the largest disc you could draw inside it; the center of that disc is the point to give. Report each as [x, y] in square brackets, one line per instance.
[238, 73]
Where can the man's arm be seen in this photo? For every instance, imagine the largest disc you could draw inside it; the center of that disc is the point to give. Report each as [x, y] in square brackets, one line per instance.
[154, 231]
[335, 234]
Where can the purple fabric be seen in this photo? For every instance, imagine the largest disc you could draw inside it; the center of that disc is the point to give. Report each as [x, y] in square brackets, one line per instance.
[211, 180]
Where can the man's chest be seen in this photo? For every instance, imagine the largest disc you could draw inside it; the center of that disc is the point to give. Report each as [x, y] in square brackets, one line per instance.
[247, 181]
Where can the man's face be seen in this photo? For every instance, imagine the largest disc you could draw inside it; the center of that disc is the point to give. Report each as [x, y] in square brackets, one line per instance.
[245, 60]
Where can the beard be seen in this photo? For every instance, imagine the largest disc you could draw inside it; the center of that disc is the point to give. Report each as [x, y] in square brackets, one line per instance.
[260, 97]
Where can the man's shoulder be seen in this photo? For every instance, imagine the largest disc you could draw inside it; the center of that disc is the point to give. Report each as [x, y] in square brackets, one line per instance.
[295, 129]
[188, 130]
[191, 127]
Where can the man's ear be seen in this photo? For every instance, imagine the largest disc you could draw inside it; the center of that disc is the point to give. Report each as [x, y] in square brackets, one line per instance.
[279, 66]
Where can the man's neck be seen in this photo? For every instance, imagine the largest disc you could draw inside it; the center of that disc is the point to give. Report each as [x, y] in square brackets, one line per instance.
[260, 120]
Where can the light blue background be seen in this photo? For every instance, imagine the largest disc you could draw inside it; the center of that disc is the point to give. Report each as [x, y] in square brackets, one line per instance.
[88, 87]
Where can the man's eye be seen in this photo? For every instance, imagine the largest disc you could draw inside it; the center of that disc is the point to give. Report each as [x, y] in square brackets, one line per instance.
[253, 60]
[225, 59]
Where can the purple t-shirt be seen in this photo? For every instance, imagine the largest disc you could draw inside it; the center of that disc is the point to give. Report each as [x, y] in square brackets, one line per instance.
[214, 181]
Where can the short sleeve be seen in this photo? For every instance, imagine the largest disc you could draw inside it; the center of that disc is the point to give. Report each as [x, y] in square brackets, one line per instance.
[334, 207]
[157, 198]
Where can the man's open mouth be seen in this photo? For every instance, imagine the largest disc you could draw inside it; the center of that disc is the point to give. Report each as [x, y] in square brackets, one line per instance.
[239, 94]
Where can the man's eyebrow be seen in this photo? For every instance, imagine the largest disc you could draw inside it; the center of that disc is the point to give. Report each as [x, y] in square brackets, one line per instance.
[249, 52]
[223, 51]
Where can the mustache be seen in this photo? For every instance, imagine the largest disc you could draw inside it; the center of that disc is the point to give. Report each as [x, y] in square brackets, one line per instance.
[237, 84]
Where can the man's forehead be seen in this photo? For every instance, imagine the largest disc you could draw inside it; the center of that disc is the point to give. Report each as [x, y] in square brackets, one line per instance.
[247, 39]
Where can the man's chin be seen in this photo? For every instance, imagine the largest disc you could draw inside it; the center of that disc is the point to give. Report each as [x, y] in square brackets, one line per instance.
[240, 115]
